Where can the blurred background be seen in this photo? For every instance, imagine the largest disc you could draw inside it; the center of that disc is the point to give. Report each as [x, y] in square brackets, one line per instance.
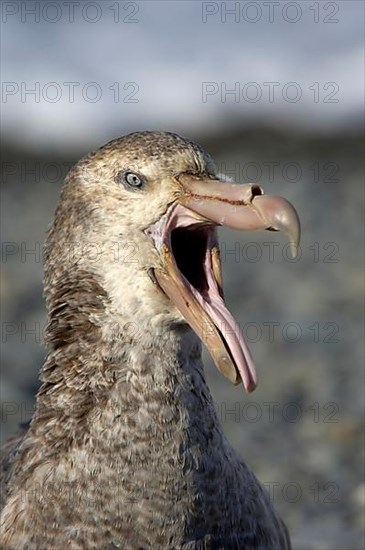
[274, 91]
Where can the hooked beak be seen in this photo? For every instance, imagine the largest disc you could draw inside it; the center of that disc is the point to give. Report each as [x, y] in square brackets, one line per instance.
[185, 237]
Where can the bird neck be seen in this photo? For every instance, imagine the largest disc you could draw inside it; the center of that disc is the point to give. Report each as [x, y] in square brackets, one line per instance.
[100, 374]
[136, 429]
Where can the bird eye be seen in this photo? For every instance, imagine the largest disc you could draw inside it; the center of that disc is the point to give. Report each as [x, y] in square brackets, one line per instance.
[129, 179]
[133, 180]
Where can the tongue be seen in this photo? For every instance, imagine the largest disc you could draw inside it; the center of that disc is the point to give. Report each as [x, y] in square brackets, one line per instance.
[234, 341]
[230, 331]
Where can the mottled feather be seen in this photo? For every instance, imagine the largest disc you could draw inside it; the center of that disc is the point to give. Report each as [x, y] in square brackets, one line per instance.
[125, 449]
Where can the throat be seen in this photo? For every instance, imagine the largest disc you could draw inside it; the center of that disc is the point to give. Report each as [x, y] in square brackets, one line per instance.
[103, 385]
[151, 393]
[165, 397]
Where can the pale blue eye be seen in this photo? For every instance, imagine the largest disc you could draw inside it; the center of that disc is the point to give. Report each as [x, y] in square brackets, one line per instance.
[133, 180]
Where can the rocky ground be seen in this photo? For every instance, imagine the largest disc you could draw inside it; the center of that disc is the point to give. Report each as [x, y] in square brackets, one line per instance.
[302, 430]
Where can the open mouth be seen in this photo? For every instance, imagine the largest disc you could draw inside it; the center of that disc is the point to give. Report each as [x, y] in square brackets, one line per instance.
[190, 272]
[190, 246]
[196, 253]
[191, 249]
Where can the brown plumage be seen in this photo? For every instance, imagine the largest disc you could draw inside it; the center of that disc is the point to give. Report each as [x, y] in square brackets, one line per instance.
[125, 449]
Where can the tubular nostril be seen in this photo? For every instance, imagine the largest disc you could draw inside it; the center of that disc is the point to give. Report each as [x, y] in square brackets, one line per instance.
[256, 190]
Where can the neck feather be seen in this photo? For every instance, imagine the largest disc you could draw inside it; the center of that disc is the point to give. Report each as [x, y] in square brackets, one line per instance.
[99, 369]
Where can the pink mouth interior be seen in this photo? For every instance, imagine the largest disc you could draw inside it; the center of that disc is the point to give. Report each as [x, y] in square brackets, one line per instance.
[191, 239]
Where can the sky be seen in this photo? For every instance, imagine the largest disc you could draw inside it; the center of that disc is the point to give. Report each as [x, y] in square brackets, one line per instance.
[81, 72]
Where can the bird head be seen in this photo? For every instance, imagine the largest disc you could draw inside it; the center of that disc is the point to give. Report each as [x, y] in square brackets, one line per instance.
[142, 212]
